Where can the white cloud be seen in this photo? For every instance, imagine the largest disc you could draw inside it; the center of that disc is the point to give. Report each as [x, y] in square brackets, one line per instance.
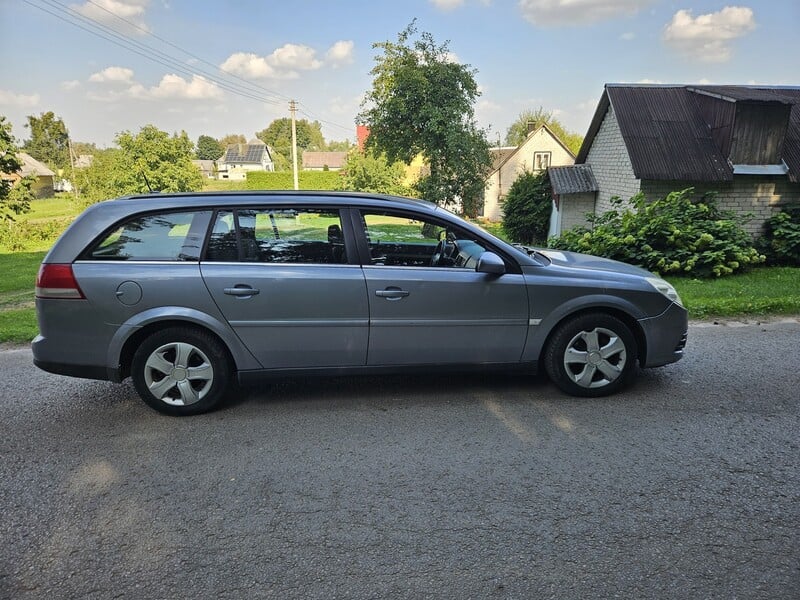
[628, 36]
[126, 16]
[447, 4]
[708, 37]
[577, 12]
[341, 53]
[283, 63]
[68, 86]
[247, 64]
[112, 75]
[19, 100]
[175, 86]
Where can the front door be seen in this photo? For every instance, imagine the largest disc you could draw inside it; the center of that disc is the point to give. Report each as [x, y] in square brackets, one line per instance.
[427, 303]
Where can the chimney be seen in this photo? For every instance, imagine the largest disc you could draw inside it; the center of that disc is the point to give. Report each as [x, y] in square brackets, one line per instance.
[242, 148]
[531, 127]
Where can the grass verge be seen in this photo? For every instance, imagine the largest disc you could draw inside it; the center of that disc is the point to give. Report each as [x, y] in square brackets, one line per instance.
[761, 292]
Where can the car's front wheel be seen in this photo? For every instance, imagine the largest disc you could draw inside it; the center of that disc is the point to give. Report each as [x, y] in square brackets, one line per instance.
[181, 371]
[591, 355]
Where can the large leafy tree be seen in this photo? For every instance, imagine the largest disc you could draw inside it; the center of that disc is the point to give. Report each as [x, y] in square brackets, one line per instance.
[49, 141]
[232, 138]
[13, 200]
[518, 130]
[368, 172]
[278, 136]
[150, 160]
[208, 148]
[422, 102]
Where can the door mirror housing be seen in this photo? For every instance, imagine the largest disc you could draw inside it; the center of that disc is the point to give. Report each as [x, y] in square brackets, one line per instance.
[489, 262]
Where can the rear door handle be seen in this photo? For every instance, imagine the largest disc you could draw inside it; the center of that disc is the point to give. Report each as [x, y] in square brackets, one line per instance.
[392, 293]
[241, 291]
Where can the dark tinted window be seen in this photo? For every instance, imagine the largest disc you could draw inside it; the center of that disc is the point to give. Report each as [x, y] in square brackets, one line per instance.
[278, 236]
[167, 236]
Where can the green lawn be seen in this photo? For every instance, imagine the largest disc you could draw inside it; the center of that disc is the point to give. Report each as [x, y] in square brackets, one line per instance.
[765, 291]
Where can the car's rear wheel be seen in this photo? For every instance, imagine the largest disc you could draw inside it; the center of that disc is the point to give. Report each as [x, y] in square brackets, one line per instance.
[591, 355]
[181, 371]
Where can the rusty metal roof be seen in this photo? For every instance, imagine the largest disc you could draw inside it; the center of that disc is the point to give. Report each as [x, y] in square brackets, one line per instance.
[668, 139]
[572, 179]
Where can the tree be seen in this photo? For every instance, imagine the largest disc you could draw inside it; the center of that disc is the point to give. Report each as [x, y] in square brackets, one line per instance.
[278, 136]
[49, 141]
[232, 138]
[518, 130]
[208, 148]
[421, 102]
[14, 200]
[151, 159]
[366, 172]
[526, 211]
[338, 146]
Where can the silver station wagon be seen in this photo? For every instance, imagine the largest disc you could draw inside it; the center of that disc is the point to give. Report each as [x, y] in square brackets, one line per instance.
[185, 292]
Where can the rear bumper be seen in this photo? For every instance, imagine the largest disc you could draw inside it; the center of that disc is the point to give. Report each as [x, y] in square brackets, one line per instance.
[666, 336]
[43, 360]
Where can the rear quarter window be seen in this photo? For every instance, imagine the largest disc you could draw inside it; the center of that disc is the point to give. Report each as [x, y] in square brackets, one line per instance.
[175, 236]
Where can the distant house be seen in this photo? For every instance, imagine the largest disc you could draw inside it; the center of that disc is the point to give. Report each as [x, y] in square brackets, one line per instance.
[540, 150]
[43, 186]
[323, 161]
[241, 158]
[208, 168]
[740, 142]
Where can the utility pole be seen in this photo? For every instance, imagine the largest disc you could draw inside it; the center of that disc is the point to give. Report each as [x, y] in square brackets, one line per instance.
[293, 110]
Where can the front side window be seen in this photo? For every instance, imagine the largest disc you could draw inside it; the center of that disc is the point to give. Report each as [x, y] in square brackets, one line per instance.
[165, 237]
[282, 235]
[400, 241]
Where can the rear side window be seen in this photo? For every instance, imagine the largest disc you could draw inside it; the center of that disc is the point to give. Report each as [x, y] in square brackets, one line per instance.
[164, 237]
[278, 235]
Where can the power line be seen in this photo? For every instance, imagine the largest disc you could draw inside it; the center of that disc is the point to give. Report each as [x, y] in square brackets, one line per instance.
[109, 34]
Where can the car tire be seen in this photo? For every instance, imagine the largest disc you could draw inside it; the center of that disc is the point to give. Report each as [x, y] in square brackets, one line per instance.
[591, 355]
[181, 371]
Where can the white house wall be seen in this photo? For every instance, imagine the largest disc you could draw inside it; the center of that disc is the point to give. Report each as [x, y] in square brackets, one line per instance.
[611, 164]
[499, 183]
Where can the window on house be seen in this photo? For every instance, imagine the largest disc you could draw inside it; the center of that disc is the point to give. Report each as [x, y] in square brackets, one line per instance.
[541, 160]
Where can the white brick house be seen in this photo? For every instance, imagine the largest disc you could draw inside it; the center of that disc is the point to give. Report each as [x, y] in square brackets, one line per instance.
[741, 142]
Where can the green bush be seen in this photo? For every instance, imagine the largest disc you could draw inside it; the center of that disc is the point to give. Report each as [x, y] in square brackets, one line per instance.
[526, 211]
[16, 236]
[674, 235]
[283, 180]
[781, 239]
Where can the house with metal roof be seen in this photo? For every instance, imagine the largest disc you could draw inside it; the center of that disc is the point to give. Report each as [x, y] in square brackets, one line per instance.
[241, 158]
[540, 150]
[740, 142]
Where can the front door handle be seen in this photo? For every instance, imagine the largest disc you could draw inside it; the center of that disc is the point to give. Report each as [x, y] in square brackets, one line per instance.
[392, 293]
[241, 291]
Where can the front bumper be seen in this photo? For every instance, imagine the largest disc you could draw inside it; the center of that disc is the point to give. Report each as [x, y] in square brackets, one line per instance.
[666, 336]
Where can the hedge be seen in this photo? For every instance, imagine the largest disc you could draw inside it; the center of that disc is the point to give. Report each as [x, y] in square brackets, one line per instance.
[283, 180]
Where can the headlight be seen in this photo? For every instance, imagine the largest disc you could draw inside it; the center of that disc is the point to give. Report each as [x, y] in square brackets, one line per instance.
[665, 288]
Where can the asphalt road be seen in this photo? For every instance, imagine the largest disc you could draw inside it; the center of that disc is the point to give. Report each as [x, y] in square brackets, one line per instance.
[468, 486]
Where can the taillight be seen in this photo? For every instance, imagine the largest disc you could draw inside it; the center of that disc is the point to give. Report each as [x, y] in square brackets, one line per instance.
[57, 281]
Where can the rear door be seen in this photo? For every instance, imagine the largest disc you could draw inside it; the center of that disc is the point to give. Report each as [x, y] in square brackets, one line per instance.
[289, 285]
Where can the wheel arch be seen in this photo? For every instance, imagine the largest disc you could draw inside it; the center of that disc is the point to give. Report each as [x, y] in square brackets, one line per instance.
[630, 322]
[131, 334]
[540, 335]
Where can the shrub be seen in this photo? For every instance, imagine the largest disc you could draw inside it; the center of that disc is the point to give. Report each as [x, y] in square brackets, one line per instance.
[781, 240]
[283, 180]
[672, 235]
[526, 211]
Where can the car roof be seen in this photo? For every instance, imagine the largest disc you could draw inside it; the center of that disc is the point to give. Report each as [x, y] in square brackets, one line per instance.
[160, 200]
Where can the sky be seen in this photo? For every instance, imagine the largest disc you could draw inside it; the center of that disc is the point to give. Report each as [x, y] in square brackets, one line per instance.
[216, 68]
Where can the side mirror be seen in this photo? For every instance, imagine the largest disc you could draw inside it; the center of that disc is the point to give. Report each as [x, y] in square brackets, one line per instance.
[489, 262]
